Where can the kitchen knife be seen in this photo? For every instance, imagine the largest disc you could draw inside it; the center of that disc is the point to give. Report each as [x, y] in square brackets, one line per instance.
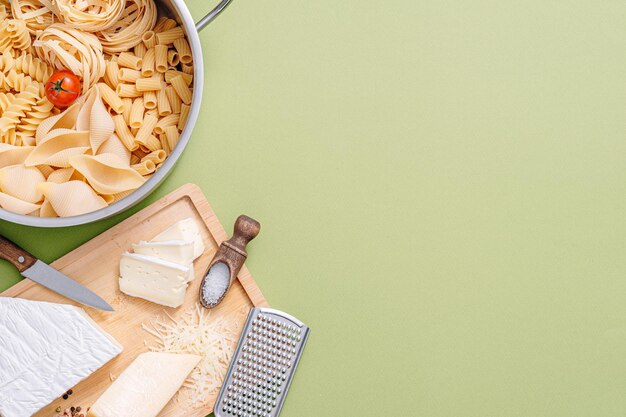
[42, 273]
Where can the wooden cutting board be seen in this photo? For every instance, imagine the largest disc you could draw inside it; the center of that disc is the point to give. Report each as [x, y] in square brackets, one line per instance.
[96, 265]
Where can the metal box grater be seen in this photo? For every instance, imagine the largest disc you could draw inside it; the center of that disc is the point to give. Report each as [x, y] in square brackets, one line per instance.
[263, 366]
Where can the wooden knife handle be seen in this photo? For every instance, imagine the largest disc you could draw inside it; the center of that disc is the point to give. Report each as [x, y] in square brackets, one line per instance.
[20, 259]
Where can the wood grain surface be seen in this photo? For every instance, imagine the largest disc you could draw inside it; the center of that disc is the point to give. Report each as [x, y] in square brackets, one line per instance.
[96, 265]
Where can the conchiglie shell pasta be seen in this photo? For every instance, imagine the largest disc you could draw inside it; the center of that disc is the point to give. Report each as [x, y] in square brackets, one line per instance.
[65, 120]
[47, 210]
[21, 182]
[61, 175]
[113, 145]
[107, 173]
[13, 155]
[58, 147]
[71, 198]
[16, 205]
[95, 118]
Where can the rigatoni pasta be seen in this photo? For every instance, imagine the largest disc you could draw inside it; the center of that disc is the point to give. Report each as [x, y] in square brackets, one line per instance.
[129, 60]
[160, 58]
[169, 36]
[111, 98]
[147, 66]
[148, 84]
[181, 88]
[136, 113]
[150, 100]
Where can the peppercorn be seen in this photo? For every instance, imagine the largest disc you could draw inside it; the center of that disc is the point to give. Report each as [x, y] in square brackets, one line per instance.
[65, 396]
[70, 392]
[78, 409]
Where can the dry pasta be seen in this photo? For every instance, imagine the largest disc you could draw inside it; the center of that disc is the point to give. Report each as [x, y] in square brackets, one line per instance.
[137, 79]
[111, 98]
[169, 36]
[128, 60]
[147, 67]
[181, 88]
[136, 113]
[163, 103]
[150, 100]
[184, 50]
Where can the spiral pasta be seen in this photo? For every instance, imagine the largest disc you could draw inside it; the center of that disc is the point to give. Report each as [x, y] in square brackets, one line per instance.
[32, 66]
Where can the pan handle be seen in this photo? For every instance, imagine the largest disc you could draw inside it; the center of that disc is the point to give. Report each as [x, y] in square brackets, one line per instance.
[212, 14]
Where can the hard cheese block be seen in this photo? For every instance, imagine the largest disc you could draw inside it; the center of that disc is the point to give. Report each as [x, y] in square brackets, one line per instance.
[146, 386]
[46, 349]
[153, 279]
[186, 229]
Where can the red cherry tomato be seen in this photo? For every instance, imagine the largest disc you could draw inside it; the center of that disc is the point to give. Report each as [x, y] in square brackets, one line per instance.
[62, 88]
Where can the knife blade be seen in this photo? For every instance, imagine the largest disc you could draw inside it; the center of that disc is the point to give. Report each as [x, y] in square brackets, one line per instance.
[43, 274]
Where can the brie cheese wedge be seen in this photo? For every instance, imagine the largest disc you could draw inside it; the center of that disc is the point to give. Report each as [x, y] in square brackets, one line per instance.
[46, 349]
[186, 229]
[154, 279]
[146, 386]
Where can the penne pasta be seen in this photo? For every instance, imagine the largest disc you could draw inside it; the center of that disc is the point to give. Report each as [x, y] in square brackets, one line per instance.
[149, 39]
[160, 58]
[136, 113]
[128, 103]
[163, 103]
[184, 113]
[150, 100]
[145, 131]
[145, 167]
[111, 74]
[148, 84]
[140, 50]
[172, 134]
[187, 68]
[147, 68]
[127, 90]
[111, 98]
[128, 75]
[169, 74]
[157, 156]
[171, 120]
[169, 36]
[174, 100]
[172, 58]
[181, 88]
[165, 25]
[129, 60]
[125, 136]
[184, 50]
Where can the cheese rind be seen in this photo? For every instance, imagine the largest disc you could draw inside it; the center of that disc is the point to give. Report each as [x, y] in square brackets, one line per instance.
[186, 229]
[40, 358]
[154, 279]
[146, 386]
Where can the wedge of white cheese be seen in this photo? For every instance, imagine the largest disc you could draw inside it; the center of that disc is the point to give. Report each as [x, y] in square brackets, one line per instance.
[46, 349]
[177, 251]
[146, 386]
[186, 229]
[154, 279]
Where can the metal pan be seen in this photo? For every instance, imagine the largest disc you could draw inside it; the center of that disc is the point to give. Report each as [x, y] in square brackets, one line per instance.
[178, 10]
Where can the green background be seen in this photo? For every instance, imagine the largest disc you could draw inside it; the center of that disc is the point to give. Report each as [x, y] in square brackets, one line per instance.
[441, 188]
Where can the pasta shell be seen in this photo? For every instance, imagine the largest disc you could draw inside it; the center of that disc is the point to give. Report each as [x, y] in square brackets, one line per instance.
[95, 118]
[65, 120]
[21, 182]
[58, 147]
[47, 210]
[13, 155]
[61, 175]
[107, 173]
[71, 198]
[16, 205]
[115, 146]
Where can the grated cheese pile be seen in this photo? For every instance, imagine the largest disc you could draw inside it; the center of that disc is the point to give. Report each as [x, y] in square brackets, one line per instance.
[196, 332]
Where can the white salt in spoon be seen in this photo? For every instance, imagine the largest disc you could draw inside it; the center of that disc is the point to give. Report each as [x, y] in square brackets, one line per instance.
[227, 262]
